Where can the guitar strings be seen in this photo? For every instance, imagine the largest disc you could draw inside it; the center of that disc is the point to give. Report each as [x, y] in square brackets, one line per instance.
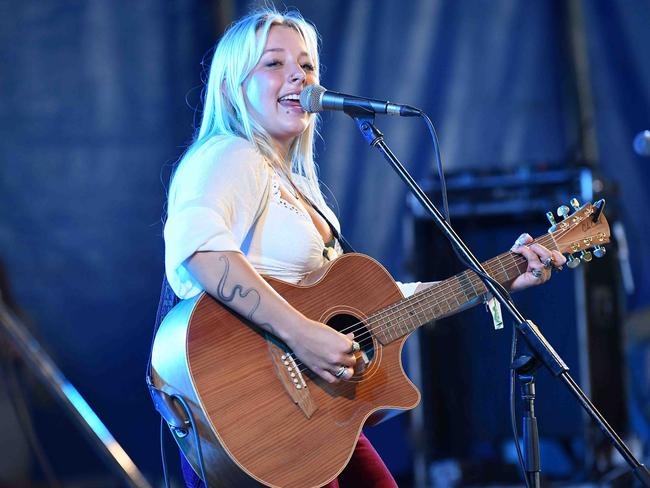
[506, 259]
[438, 294]
[443, 293]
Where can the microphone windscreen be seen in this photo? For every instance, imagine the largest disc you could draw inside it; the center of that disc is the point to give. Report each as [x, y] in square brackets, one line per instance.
[310, 98]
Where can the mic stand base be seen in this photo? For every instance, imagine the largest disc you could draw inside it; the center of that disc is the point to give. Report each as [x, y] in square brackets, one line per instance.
[525, 367]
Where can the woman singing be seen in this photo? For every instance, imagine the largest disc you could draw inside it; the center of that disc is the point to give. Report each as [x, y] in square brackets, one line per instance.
[245, 201]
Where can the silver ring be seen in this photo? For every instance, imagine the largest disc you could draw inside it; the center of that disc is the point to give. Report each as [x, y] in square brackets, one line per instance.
[536, 273]
[340, 372]
[355, 347]
[548, 262]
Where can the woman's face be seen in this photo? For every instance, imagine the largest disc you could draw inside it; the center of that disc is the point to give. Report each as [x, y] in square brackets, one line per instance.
[273, 87]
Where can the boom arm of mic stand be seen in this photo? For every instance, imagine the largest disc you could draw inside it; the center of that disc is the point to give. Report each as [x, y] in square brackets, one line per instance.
[531, 334]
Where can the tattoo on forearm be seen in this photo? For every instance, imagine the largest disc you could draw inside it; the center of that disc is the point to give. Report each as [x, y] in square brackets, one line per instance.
[238, 291]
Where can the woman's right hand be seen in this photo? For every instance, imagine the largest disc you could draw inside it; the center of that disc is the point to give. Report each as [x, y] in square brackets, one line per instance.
[325, 351]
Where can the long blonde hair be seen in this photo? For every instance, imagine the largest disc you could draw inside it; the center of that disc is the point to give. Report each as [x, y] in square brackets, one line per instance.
[225, 111]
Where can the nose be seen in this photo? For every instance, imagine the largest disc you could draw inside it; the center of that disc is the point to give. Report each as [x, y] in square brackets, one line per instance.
[297, 75]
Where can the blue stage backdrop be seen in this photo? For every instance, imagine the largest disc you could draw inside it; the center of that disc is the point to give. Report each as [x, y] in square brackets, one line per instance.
[97, 102]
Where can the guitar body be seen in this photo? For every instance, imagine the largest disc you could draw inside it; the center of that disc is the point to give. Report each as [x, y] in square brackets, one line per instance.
[260, 420]
[252, 431]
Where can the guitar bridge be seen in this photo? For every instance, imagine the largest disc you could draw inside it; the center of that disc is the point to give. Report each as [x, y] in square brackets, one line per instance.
[294, 372]
[291, 378]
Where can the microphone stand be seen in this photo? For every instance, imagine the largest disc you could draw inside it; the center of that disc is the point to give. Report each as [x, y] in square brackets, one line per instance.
[540, 347]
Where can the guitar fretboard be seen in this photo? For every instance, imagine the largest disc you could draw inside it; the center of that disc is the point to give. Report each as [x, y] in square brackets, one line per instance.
[446, 297]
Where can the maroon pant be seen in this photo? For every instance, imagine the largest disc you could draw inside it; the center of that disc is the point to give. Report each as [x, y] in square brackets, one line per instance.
[365, 469]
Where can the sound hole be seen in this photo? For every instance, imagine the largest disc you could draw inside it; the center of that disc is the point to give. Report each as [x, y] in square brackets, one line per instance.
[345, 324]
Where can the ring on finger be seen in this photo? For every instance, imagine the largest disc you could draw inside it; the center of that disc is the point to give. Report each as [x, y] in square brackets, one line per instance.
[355, 347]
[537, 273]
[548, 262]
[340, 372]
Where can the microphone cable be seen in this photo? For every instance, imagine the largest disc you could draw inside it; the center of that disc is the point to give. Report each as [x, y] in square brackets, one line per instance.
[513, 408]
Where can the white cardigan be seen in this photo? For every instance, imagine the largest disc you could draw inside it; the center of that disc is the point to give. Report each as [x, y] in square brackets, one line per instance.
[226, 197]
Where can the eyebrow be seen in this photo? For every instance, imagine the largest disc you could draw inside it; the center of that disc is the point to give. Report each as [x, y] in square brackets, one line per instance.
[279, 49]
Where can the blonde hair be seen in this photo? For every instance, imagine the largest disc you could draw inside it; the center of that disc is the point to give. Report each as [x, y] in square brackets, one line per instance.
[225, 111]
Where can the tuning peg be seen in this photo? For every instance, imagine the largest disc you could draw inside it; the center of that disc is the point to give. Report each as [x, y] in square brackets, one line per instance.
[599, 206]
[572, 262]
[563, 211]
[586, 256]
[551, 219]
[599, 251]
[575, 203]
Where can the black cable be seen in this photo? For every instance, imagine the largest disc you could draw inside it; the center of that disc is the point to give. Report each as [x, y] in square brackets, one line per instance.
[197, 441]
[163, 456]
[441, 174]
[445, 204]
[513, 409]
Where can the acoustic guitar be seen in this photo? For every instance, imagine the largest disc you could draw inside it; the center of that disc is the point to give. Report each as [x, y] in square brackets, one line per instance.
[264, 419]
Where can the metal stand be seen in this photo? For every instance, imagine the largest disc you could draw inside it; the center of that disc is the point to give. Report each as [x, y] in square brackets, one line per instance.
[70, 398]
[525, 367]
[537, 343]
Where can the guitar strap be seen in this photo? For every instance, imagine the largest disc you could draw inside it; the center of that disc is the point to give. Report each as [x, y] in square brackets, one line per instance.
[345, 245]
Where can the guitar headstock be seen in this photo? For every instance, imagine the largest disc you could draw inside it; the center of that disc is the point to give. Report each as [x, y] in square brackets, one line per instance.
[584, 230]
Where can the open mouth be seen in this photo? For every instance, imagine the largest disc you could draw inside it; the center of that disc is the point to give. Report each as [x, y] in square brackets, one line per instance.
[291, 100]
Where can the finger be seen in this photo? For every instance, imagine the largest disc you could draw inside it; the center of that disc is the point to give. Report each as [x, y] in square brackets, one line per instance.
[535, 265]
[354, 345]
[558, 258]
[347, 374]
[337, 359]
[538, 274]
[326, 375]
[348, 360]
[341, 373]
[542, 253]
[522, 240]
[526, 252]
[535, 268]
[338, 372]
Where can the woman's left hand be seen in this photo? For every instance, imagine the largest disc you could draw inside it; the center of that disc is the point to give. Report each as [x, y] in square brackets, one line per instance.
[541, 262]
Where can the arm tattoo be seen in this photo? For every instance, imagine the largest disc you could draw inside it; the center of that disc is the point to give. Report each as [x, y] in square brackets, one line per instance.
[239, 291]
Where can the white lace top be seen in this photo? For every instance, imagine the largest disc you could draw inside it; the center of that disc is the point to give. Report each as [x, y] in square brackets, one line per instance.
[214, 200]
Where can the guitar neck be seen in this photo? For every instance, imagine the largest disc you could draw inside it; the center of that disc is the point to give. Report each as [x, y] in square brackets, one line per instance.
[447, 297]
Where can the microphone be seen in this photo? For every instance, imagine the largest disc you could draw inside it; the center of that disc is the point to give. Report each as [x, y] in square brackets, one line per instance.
[314, 98]
[641, 143]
